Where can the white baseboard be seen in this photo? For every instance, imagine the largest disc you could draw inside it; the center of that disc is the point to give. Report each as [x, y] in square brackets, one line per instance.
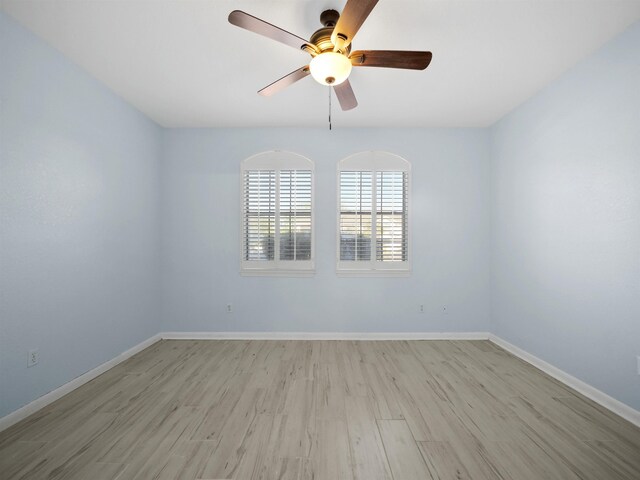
[41, 402]
[610, 403]
[325, 335]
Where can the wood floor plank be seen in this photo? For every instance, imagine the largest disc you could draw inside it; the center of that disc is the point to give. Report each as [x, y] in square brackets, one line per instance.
[100, 471]
[329, 391]
[331, 455]
[517, 459]
[299, 422]
[622, 458]
[381, 392]
[444, 463]
[150, 458]
[257, 451]
[227, 456]
[322, 410]
[403, 454]
[195, 455]
[464, 455]
[19, 455]
[616, 427]
[367, 452]
[351, 370]
[557, 442]
[61, 457]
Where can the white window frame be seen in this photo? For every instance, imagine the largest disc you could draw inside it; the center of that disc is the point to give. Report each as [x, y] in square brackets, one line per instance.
[277, 160]
[373, 161]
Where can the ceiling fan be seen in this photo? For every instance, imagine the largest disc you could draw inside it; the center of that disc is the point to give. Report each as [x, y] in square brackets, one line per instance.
[330, 47]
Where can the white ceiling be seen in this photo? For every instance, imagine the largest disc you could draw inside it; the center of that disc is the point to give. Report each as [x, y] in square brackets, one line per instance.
[184, 65]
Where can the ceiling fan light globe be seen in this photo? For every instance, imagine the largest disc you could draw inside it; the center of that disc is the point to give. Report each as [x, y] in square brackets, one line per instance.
[330, 68]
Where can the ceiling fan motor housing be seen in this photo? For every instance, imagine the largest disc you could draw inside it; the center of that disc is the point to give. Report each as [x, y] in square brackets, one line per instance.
[321, 38]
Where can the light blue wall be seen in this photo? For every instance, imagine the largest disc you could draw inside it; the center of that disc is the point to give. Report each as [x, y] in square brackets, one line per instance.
[201, 228]
[79, 220]
[530, 229]
[566, 221]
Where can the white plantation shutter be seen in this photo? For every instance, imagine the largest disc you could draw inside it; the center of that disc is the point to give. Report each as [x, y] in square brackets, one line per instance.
[295, 215]
[259, 201]
[277, 214]
[391, 216]
[373, 214]
[355, 215]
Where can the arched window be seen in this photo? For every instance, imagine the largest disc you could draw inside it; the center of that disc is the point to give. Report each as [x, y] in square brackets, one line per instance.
[373, 215]
[277, 214]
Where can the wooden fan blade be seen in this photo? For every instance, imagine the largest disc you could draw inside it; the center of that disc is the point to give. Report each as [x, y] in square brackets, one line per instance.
[284, 82]
[254, 24]
[391, 59]
[351, 19]
[345, 95]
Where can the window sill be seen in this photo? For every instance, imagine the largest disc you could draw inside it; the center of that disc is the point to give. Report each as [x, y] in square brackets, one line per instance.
[278, 273]
[374, 273]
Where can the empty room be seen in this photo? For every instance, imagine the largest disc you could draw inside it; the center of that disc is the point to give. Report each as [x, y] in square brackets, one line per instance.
[320, 239]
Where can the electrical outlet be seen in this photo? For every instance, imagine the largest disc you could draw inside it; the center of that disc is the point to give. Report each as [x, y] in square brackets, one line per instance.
[421, 309]
[33, 357]
[444, 310]
[229, 308]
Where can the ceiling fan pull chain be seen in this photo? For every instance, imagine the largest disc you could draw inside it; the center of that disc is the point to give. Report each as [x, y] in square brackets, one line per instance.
[329, 107]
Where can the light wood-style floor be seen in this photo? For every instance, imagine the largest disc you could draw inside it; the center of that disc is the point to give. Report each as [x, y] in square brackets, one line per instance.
[331, 410]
